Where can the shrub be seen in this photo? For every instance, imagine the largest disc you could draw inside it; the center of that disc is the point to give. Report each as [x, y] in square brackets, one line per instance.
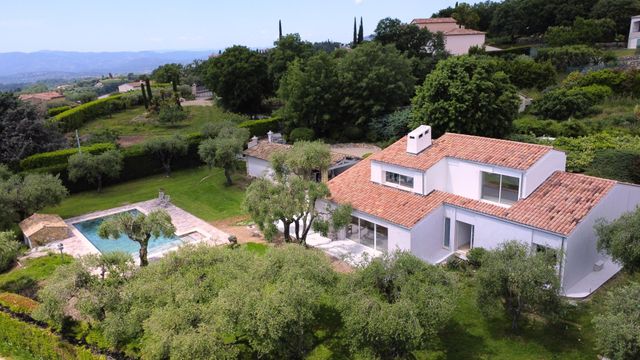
[301, 134]
[59, 157]
[390, 126]
[103, 136]
[262, 127]
[171, 115]
[583, 31]
[562, 103]
[475, 256]
[572, 56]
[18, 303]
[9, 249]
[76, 117]
[57, 110]
[621, 82]
[524, 72]
[617, 327]
[621, 165]
[40, 343]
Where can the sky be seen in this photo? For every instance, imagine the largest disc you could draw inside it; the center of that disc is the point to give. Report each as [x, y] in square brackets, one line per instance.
[136, 25]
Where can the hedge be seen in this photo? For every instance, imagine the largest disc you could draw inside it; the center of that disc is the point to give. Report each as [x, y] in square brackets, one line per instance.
[76, 117]
[58, 110]
[136, 164]
[60, 157]
[262, 127]
[19, 337]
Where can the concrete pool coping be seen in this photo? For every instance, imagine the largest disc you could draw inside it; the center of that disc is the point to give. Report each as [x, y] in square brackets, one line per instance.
[185, 223]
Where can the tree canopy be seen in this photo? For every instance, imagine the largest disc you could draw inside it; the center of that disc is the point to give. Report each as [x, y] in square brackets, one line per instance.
[618, 326]
[239, 76]
[168, 73]
[166, 149]
[469, 95]
[224, 148]
[621, 239]
[519, 281]
[287, 49]
[95, 167]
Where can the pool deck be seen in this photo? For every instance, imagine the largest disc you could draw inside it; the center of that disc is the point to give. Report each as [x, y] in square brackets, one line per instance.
[185, 223]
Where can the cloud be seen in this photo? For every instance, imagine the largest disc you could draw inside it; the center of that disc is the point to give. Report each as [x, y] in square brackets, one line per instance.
[358, 2]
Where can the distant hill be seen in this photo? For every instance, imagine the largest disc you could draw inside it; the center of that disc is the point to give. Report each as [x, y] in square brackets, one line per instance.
[18, 67]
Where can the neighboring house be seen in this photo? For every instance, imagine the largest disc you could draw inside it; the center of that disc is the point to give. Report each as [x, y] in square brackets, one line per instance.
[634, 33]
[259, 153]
[439, 199]
[129, 87]
[42, 97]
[201, 92]
[41, 229]
[458, 40]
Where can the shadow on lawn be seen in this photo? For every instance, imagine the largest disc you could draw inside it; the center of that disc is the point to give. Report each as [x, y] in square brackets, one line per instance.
[459, 343]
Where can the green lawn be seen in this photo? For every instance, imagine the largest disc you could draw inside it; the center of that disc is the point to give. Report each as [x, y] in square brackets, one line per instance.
[199, 191]
[133, 121]
[25, 280]
[624, 52]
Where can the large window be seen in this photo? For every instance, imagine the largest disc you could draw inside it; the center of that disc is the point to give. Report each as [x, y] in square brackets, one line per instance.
[402, 180]
[368, 234]
[499, 188]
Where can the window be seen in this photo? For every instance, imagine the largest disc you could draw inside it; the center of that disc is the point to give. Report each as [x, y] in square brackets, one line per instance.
[368, 234]
[402, 180]
[499, 188]
[446, 242]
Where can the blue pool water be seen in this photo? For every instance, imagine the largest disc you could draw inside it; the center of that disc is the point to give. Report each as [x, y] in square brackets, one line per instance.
[89, 229]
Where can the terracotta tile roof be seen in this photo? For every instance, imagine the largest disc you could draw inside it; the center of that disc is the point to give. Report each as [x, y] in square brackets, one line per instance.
[558, 205]
[264, 150]
[509, 154]
[45, 96]
[434, 21]
[459, 31]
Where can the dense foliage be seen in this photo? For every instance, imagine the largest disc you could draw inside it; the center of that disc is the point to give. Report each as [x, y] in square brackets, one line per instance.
[95, 167]
[526, 73]
[618, 327]
[223, 147]
[563, 102]
[9, 248]
[573, 56]
[621, 239]
[23, 131]
[513, 278]
[583, 31]
[469, 95]
[263, 126]
[166, 149]
[58, 157]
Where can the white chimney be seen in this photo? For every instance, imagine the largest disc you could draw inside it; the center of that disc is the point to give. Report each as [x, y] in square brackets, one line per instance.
[419, 139]
[270, 136]
[253, 142]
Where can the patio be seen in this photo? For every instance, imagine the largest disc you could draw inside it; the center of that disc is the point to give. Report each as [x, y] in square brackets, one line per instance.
[189, 229]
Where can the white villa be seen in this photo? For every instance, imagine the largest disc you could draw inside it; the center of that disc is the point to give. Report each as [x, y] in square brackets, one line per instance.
[634, 33]
[458, 40]
[440, 198]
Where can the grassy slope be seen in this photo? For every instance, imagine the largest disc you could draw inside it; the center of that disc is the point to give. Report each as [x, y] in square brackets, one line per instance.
[132, 122]
[26, 280]
[199, 191]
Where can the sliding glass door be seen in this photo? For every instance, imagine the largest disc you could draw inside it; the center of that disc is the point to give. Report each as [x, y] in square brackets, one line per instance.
[368, 234]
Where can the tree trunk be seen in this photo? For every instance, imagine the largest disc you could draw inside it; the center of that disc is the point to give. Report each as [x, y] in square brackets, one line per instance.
[143, 253]
[227, 174]
[99, 181]
[287, 232]
[297, 227]
[167, 169]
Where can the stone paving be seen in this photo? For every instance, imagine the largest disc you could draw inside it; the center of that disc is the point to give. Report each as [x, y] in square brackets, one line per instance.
[189, 228]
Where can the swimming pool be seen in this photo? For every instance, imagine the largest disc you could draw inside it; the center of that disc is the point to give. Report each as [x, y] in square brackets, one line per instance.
[89, 229]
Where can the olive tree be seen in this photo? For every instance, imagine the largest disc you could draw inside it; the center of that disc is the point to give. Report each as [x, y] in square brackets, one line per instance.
[9, 249]
[621, 239]
[166, 149]
[395, 305]
[140, 228]
[95, 167]
[618, 326]
[519, 280]
[223, 150]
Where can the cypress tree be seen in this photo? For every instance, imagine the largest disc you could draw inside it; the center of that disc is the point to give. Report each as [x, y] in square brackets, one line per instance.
[144, 97]
[280, 30]
[355, 33]
[149, 93]
[361, 32]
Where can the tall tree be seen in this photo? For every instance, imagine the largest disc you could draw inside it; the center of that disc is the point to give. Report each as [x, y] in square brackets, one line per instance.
[361, 32]
[140, 228]
[23, 131]
[167, 73]
[621, 239]
[145, 100]
[279, 30]
[519, 281]
[166, 149]
[619, 11]
[240, 77]
[469, 95]
[466, 16]
[23, 195]
[289, 48]
[148, 84]
[223, 150]
[355, 33]
[95, 167]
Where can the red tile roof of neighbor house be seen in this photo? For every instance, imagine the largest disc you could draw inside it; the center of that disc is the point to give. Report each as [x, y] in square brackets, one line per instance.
[444, 20]
[558, 205]
[44, 96]
[509, 154]
[461, 31]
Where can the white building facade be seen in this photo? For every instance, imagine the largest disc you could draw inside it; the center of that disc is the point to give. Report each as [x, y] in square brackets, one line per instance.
[439, 199]
[634, 33]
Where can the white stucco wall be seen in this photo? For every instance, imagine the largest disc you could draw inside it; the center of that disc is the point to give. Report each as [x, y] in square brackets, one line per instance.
[258, 167]
[553, 161]
[581, 251]
[378, 175]
[460, 44]
[465, 178]
[427, 236]
[634, 32]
